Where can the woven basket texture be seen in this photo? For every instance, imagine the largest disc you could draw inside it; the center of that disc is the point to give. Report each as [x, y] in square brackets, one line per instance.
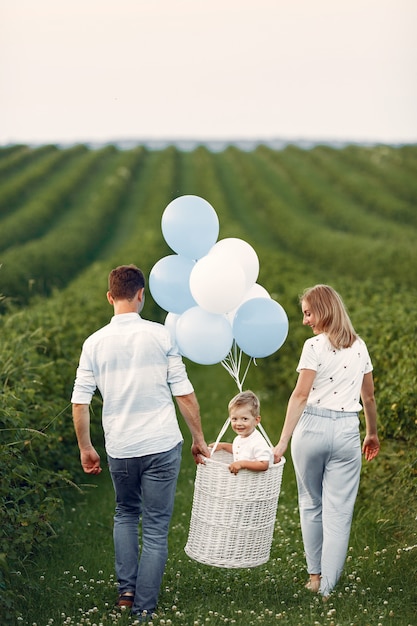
[233, 515]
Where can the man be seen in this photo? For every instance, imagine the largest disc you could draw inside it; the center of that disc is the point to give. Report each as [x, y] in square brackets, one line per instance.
[137, 370]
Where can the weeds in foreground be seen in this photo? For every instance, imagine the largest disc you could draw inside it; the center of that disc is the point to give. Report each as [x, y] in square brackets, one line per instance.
[78, 587]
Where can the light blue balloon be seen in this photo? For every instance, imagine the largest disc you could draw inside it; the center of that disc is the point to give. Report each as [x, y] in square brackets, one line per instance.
[260, 327]
[190, 226]
[203, 337]
[171, 324]
[169, 283]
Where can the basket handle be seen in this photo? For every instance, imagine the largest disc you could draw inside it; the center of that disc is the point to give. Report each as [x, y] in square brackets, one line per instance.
[220, 435]
[225, 427]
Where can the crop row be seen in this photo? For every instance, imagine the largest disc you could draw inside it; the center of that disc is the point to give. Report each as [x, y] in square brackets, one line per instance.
[38, 214]
[309, 201]
[19, 157]
[20, 188]
[105, 208]
[76, 238]
[362, 186]
[396, 167]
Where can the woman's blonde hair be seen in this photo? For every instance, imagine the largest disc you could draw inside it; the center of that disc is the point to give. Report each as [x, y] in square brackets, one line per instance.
[331, 315]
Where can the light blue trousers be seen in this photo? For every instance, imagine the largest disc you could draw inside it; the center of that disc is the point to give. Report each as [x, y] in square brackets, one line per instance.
[326, 453]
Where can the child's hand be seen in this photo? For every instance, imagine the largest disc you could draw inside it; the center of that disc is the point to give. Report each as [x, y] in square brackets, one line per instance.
[235, 467]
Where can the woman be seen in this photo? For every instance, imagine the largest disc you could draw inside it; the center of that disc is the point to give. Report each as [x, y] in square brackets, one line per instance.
[335, 375]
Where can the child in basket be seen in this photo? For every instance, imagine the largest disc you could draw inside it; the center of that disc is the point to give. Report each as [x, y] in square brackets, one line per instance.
[250, 450]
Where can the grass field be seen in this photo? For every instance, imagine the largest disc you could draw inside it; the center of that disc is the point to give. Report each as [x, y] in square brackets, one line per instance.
[74, 582]
[67, 216]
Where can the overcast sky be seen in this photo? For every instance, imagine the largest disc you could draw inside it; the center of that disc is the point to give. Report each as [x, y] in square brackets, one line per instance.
[102, 70]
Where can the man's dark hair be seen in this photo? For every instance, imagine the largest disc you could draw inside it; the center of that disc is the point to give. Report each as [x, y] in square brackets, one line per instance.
[125, 281]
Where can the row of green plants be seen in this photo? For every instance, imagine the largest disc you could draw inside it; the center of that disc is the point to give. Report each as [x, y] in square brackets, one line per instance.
[41, 340]
[17, 157]
[38, 456]
[19, 188]
[293, 192]
[362, 185]
[77, 237]
[395, 166]
[36, 217]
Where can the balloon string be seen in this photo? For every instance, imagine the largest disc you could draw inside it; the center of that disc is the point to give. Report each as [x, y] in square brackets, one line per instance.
[233, 363]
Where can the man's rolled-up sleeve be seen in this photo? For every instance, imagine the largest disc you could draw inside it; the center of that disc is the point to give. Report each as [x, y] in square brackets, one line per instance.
[178, 380]
[85, 383]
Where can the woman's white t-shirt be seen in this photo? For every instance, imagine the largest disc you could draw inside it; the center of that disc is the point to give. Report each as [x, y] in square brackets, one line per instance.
[339, 373]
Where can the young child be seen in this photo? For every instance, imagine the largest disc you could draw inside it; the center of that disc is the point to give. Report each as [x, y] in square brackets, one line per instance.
[250, 449]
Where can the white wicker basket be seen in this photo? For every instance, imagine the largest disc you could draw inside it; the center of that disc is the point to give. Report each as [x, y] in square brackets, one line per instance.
[233, 515]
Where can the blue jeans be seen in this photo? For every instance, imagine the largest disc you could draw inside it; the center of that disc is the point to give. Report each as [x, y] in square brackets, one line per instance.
[144, 488]
[326, 453]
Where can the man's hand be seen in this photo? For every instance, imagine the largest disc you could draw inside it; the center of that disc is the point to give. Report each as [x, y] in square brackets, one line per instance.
[199, 451]
[90, 461]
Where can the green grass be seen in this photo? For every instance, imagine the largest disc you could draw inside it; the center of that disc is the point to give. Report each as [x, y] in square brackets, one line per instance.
[289, 205]
[74, 583]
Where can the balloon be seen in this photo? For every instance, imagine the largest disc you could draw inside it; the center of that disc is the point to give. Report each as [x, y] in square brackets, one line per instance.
[260, 327]
[204, 337]
[190, 226]
[171, 323]
[238, 250]
[217, 287]
[256, 291]
[169, 283]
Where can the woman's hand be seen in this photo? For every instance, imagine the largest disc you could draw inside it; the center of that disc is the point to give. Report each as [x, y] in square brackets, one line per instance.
[279, 451]
[370, 447]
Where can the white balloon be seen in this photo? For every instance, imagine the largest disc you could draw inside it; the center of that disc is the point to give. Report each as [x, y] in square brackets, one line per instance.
[234, 249]
[216, 286]
[256, 291]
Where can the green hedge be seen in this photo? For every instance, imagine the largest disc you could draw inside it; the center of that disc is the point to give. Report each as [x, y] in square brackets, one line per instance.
[273, 201]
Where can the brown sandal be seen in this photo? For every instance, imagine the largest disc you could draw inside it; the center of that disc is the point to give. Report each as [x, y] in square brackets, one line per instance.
[126, 599]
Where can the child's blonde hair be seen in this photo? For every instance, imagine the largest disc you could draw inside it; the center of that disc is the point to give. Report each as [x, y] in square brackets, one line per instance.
[249, 398]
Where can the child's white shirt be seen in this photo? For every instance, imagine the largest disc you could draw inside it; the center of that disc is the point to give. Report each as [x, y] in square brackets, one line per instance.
[252, 448]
